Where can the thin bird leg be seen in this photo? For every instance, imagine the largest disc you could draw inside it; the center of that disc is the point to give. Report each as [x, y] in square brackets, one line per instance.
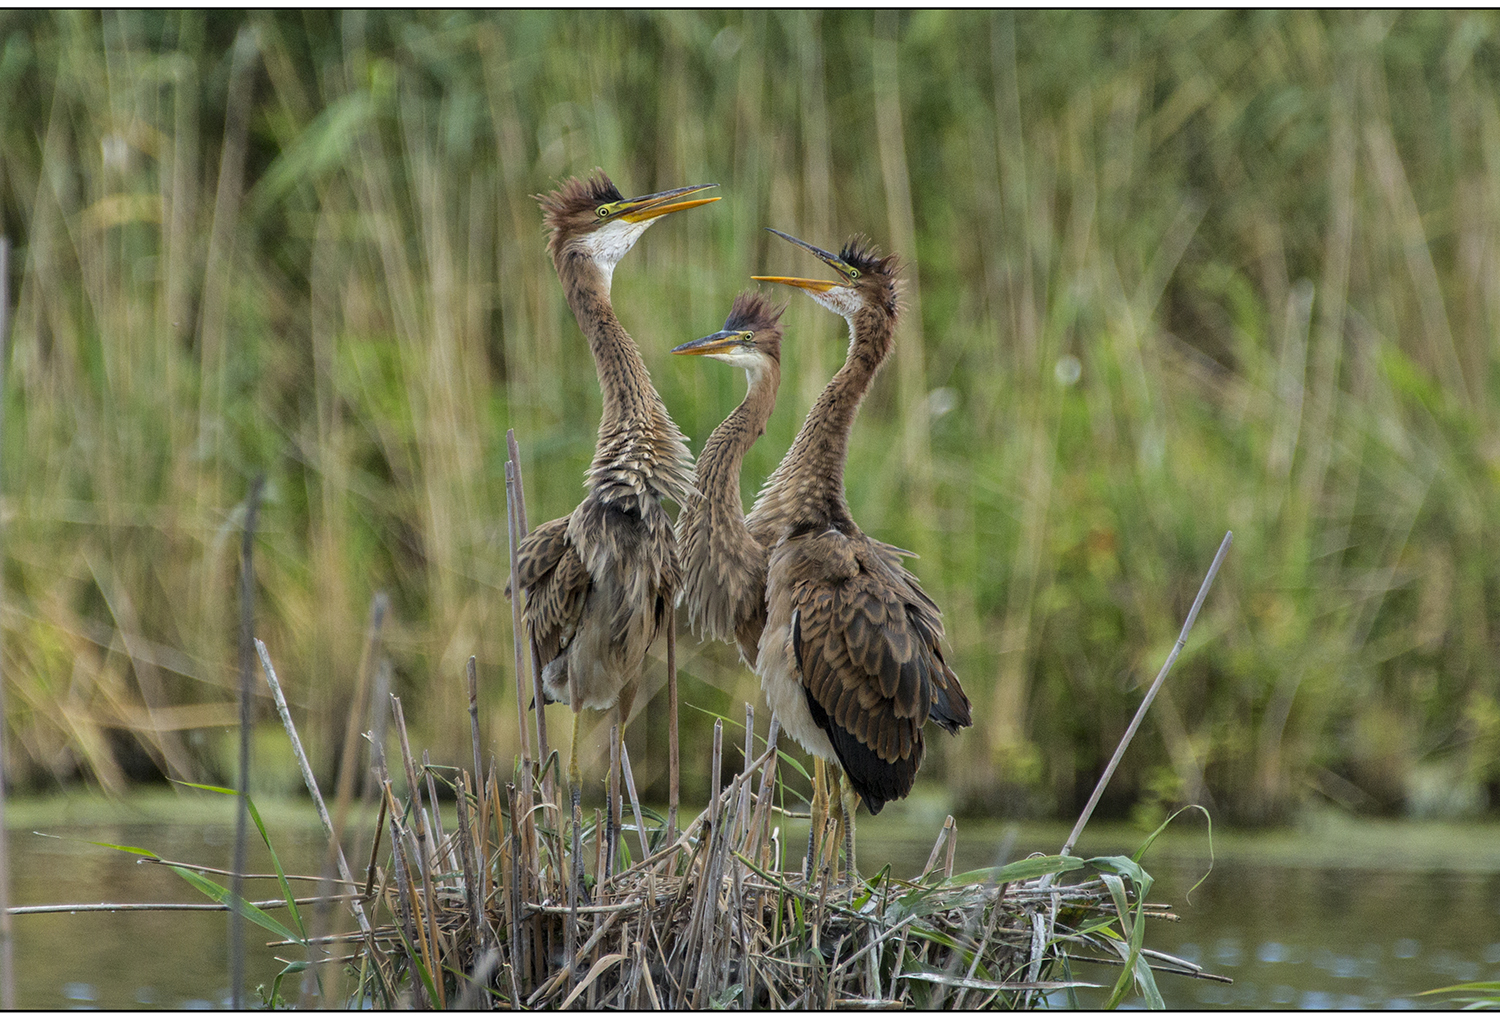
[575, 790]
[815, 809]
[613, 838]
[835, 794]
[849, 805]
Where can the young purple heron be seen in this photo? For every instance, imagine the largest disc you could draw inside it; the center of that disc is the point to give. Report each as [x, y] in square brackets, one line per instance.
[600, 581]
[851, 656]
[723, 566]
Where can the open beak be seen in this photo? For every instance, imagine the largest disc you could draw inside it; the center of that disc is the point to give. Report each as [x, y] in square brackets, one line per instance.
[724, 340]
[830, 259]
[648, 207]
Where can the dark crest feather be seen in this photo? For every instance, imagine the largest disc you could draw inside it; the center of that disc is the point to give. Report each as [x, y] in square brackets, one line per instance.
[753, 310]
[757, 313]
[861, 253]
[572, 205]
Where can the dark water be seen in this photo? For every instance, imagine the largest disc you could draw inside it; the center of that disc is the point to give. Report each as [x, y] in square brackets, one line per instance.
[138, 959]
[1324, 938]
[1295, 933]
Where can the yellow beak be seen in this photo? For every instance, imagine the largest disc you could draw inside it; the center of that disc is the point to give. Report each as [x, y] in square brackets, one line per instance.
[648, 207]
[827, 257]
[724, 340]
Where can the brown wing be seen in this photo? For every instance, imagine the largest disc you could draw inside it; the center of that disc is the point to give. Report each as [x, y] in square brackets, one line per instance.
[553, 577]
[867, 645]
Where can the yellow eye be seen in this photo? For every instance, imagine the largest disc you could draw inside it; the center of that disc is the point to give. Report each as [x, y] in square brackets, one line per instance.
[602, 212]
[853, 273]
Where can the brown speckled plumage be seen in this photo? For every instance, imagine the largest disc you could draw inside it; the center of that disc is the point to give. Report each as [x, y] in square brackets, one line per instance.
[723, 566]
[851, 656]
[598, 582]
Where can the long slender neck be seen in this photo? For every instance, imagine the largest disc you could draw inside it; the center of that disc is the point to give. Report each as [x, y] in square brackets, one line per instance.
[807, 488]
[723, 454]
[640, 448]
[623, 377]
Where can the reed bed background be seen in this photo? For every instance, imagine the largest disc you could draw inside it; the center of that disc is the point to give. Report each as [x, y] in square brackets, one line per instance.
[1170, 273]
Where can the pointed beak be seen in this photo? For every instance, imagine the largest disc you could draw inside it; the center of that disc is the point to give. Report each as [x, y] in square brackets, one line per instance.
[817, 286]
[648, 207]
[796, 281]
[724, 340]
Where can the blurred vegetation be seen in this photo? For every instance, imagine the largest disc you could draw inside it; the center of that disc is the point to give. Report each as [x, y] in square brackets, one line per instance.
[1170, 273]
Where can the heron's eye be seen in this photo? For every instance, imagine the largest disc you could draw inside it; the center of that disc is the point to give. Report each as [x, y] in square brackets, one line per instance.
[853, 273]
[602, 212]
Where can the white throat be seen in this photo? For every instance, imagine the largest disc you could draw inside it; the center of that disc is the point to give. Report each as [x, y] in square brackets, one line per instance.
[608, 245]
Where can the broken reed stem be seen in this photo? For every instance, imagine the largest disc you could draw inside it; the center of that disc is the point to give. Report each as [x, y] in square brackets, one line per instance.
[308, 779]
[112, 908]
[473, 896]
[472, 675]
[538, 702]
[525, 821]
[614, 814]
[349, 758]
[635, 800]
[673, 789]
[518, 640]
[1140, 714]
[413, 935]
[413, 790]
[761, 821]
[426, 850]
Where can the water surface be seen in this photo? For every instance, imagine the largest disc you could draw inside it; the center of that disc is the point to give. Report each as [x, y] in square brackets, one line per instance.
[1342, 915]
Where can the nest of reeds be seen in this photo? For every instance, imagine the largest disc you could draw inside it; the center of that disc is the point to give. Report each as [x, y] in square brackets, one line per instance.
[487, 916]
[523, 906]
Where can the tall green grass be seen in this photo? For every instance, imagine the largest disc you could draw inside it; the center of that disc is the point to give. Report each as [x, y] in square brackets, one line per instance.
[1169, 273]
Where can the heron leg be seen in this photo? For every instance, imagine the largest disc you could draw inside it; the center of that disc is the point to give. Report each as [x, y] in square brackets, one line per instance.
[836, 800]
[575, 878]
[848, 806]
[817, 809]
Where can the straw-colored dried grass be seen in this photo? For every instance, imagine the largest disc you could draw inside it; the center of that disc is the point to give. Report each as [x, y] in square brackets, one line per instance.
[711, 918]
[522, 906]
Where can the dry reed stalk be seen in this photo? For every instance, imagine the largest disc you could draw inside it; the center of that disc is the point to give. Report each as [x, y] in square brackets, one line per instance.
[537, 701]
[673, 789]
[1135, 723]
[635, 799]
[308, 779]
[349, 757]
[513, 530]
[712, 918]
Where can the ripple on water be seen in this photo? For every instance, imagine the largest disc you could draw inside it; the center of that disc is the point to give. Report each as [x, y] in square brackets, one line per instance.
[1492, 953]
[1445, 961]
[1406, 949]
[1227, 952]
[80, 991]
[1315, 1000]
[1272, 952]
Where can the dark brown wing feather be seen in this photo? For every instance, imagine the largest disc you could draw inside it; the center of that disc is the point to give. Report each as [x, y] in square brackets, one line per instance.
[553, 577]
[867, 641]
